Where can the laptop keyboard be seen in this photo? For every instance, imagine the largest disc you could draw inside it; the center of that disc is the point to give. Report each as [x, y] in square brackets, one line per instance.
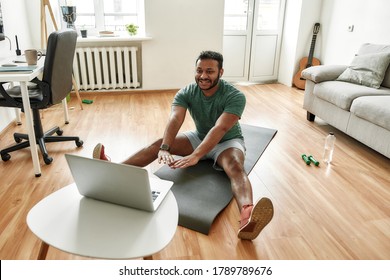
[155, 194]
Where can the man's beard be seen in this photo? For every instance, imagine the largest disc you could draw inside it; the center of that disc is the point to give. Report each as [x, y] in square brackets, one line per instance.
[211, 86]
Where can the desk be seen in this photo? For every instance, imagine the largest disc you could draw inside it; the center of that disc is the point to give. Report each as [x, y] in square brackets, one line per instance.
[23, 78]
[87, 227]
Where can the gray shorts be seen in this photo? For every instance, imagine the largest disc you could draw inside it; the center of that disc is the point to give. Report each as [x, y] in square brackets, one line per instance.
[218, 149]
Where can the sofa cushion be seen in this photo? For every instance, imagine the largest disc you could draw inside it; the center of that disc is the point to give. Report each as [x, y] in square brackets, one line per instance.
[342, 94]
[374, 48]
[375, 109]
[367, 69]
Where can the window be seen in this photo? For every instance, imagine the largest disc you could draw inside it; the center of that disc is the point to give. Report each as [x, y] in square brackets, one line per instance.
[268, 15]
[236, 13]
[112, 15]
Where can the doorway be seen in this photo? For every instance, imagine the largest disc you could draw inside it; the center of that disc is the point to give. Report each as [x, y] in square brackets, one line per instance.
[252, 39]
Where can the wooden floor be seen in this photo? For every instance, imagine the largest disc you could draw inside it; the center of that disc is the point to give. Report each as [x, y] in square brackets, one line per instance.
[341, 211]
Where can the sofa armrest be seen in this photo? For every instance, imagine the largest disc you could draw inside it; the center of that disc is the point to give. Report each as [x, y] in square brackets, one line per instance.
[322, 73]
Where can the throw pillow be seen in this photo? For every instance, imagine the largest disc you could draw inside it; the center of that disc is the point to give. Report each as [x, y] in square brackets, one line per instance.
[367, 69]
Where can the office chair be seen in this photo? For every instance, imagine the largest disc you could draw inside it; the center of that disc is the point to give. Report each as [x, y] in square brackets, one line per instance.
[55, 85]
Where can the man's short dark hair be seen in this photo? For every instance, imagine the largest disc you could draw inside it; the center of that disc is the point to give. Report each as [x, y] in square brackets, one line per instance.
[211, 55]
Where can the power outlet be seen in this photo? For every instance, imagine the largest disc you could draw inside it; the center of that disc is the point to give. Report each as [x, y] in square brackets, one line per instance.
[350, 28]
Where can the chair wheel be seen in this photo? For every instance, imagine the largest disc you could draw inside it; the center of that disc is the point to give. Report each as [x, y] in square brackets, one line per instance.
[5, 157]
[17, 139]
[48, 160]
[60, 132]
[79, 143]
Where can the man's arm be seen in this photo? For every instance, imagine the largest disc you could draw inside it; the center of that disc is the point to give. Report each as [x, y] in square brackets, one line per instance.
[175, 121]
[224, 123]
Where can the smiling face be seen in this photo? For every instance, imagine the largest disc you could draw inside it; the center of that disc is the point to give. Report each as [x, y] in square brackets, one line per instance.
[207, 75]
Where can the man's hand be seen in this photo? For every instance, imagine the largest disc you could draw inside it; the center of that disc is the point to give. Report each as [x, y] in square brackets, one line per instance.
[184, 162]
[165, 157]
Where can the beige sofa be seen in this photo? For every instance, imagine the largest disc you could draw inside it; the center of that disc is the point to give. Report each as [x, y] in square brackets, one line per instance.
[356, 98]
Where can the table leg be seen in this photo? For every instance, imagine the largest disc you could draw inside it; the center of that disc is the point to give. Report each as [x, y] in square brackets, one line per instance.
[17, 114]
[76, 89]
[43, 251]
[66, 113]
[30, 128]
[17, 110]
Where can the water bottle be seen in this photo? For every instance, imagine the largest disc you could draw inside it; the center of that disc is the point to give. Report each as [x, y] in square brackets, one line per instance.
[329, 147]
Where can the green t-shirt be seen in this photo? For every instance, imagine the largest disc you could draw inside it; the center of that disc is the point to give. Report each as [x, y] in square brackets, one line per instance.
[206, 110]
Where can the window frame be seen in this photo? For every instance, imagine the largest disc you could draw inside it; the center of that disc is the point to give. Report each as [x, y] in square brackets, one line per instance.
[99, 15]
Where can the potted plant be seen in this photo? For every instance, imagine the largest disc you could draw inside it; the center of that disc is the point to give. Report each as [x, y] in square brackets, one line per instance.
[132, 29]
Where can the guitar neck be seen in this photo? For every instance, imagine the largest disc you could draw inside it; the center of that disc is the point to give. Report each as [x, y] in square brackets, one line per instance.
[313, 43]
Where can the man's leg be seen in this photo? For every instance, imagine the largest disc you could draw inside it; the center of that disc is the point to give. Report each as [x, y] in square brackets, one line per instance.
[232, 162]
[253, 218]
[147, 155]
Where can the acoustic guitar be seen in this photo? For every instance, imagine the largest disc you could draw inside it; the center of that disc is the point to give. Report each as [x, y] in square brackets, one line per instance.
[306, 62]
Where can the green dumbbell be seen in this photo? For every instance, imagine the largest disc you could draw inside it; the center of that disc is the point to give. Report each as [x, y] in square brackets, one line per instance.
[306, 159]
[313, 160]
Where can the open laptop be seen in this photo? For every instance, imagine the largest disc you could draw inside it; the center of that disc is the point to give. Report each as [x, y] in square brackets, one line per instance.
[121, 184]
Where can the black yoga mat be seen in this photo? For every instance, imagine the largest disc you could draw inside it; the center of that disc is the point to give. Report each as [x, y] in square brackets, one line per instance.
[202, 192]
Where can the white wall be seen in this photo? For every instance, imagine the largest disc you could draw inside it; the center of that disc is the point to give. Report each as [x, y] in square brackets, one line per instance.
[180, 29]
[34, 20]
[335, 45]
[15, 23]
[300, 17]
[371, 20]
[288, 51]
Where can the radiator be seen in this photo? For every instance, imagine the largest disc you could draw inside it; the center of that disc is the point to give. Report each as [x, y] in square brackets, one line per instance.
[98, 68]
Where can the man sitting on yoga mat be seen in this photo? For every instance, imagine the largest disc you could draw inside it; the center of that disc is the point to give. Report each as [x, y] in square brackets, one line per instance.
[216, 107]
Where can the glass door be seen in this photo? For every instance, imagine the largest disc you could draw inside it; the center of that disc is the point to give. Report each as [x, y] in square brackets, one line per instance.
[252, 39]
